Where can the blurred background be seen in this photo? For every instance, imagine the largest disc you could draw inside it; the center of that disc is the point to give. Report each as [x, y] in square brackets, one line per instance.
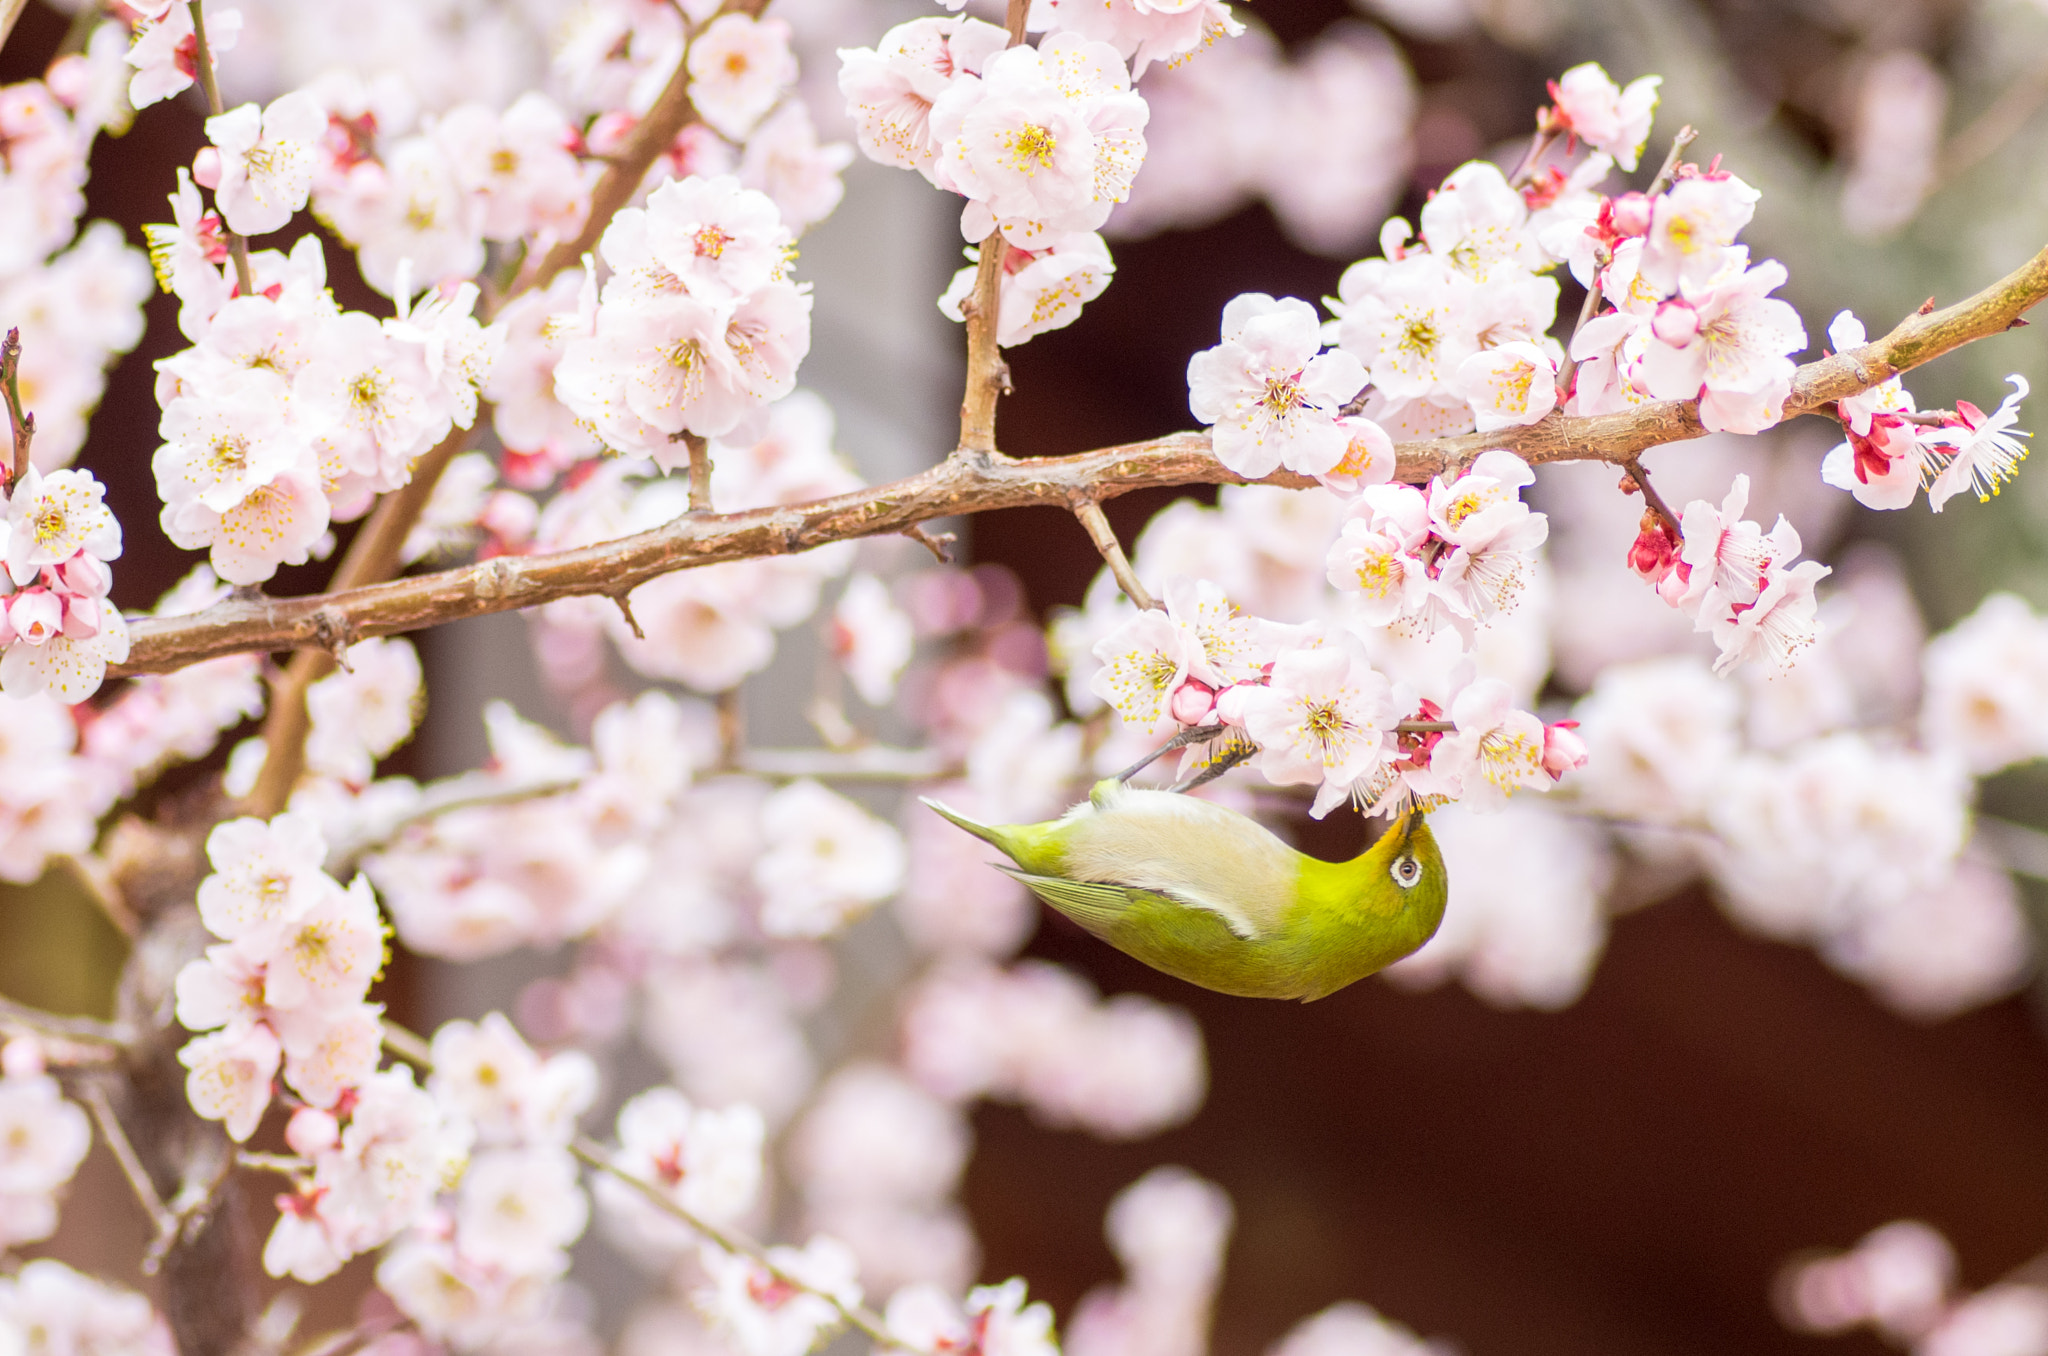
[1628, 1173]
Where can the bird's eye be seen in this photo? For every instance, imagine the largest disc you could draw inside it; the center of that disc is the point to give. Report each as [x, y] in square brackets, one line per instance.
[1406, 871]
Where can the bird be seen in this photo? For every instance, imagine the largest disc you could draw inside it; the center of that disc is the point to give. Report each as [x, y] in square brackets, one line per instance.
[1210, 896]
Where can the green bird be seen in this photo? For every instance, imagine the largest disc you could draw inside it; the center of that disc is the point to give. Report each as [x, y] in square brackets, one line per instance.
[1210, 896]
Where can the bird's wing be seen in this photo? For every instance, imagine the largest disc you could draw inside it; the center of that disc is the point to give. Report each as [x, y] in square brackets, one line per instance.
[1097, 907]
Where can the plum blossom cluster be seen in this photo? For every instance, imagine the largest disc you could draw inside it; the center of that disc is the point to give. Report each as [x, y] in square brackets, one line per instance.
[1891, 451]
[288, 412]
[1307, 698]
[698, 328]
[57, 625]
[43, 1138]
[286, 987]
[75, 295]
[1042, 142]
[489, 1258]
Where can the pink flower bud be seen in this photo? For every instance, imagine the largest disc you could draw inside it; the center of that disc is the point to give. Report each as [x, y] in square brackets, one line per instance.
[206, 167]
[69, 80]
[1631, 215]
[1563, 750]
[609, 132]
[510, 518]
[1675, 323]
[311, 1131]
[87, 576]
[35, 614]
[83, 617]
[1192, 702]
[1654, 550]
[1230, 703]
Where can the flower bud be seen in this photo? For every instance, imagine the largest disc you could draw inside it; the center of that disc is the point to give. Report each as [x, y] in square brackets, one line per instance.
[1230, 703]
[86, 576]
[21, 1057]
[206, 167]
[1563, 750]
[1675, 323]
[311, 1131]
[1192, 702]
[1631, 215]
[83, 617]
[35, 614]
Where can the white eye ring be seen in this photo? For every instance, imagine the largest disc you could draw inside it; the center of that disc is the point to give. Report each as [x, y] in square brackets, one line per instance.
[1405, 871]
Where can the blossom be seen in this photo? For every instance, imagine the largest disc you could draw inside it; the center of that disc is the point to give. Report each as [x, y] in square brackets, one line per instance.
[1389, 580]
[326, 955]
[1047, 139]
[1984, 452]
[1735, 355]
[227, 439]
[505, 1090]
[518, 164]
[266, 161]
[520, 1208]
[1475, 222]
[708, 237]
[43, 1139]
[230, 1076]
[1986, 686]
[1270, 392]
[871, 638]
[52, 518]
[1408, 321]
[362, 713]
[1327, 717]
[995, 1321]
[1513, 384]
[739, 67]
[1608, 118]
[1691, 227]
[1040, 289]
[827, 861]
[69, 669]
[1369, 460]
[62, 1310]
[1777, 626]
[1496, 750]
[262, 873]
[1143, 662]
[707, 1160]
[890, 88]
[768, 1316]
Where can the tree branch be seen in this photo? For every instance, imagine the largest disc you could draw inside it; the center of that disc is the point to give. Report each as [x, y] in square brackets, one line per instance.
[1112, 552]
[20, 421]
[968, 482]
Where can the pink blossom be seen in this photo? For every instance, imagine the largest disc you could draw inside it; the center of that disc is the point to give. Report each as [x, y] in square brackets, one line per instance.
[1271, 394]
[266, 161]
[1609, 119]
[890, 89]
[739, 67]
[1984, 452]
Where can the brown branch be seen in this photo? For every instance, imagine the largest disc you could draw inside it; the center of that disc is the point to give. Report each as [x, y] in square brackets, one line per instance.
[978, 483]
[19, 420]
[202, 61]
[1641, 480]
[1112, 552]
[988, 376]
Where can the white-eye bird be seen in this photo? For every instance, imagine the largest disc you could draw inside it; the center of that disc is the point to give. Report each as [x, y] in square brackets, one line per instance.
[1210, 896]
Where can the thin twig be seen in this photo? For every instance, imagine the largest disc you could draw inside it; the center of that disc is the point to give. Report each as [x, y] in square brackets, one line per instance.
[161, 1219]
[202, 61]
[875, 763]
[79, 1030]
[988, 377]
[450, 797]
[964, 485]
[700, 472]
[408, 1046]
[732, 728]
[940, 544]
[1099, 531]
[858, 1316]
[1655, 500]
[1546, 136]
[20, 421]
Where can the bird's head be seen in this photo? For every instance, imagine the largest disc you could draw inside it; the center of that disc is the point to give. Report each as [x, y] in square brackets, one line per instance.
[1408, 853]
